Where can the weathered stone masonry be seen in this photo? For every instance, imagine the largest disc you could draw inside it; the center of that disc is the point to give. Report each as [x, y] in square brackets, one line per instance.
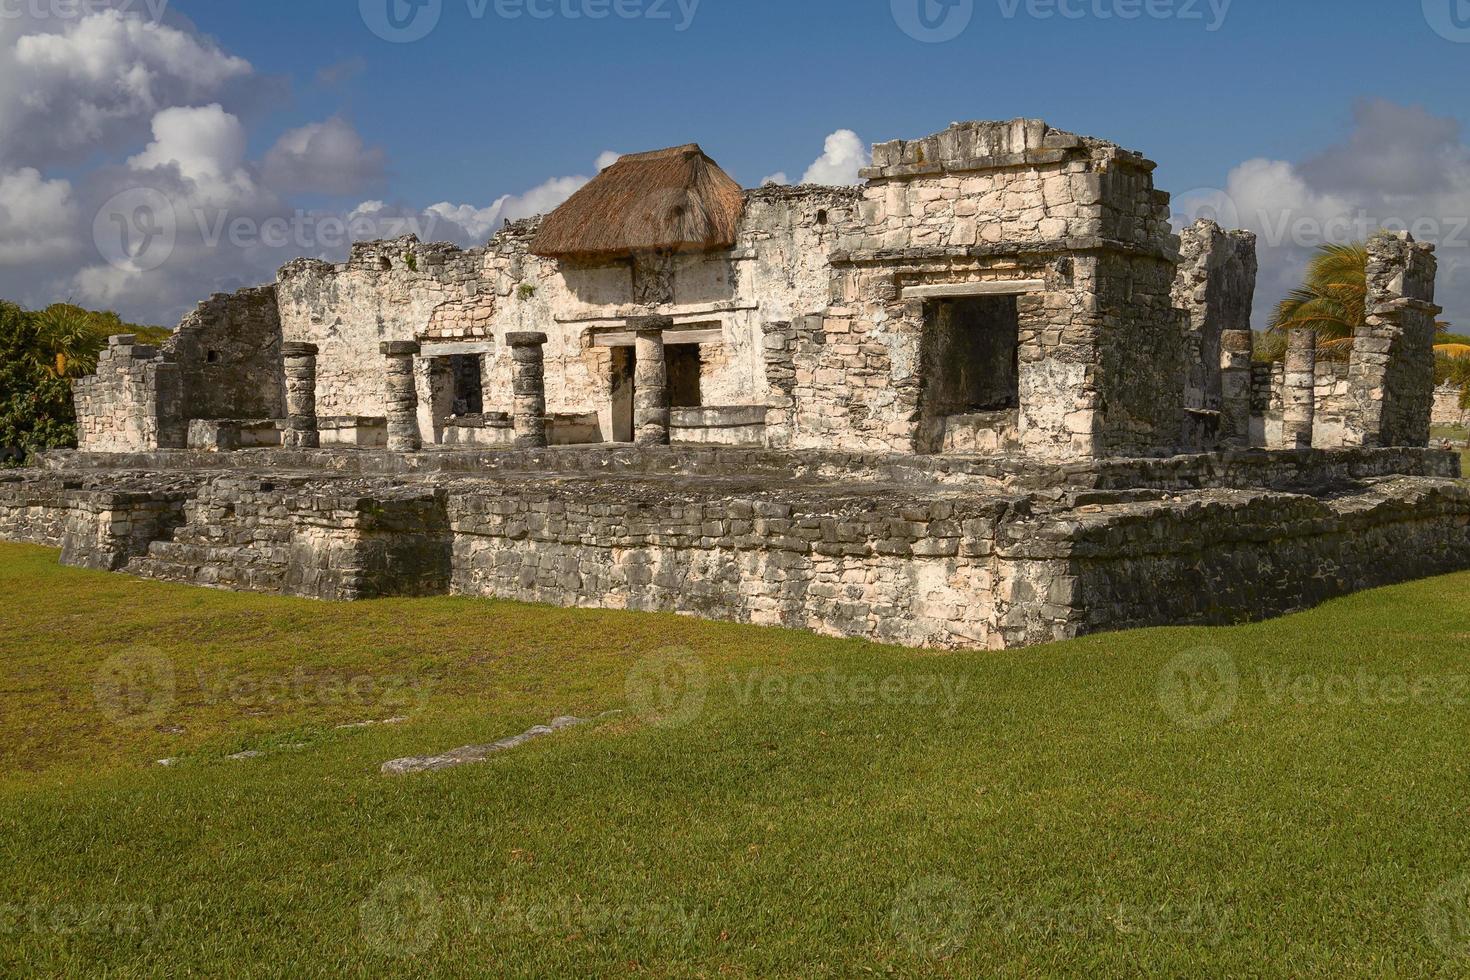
[987, 399]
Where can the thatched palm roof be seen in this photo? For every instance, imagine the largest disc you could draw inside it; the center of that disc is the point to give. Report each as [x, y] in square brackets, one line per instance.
[668, 200]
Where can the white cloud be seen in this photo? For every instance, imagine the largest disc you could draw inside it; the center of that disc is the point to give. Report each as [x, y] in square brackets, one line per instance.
[479, 223]
[76, 85]
[779, 177]
[326, 157]
[37, 218]
[606, 159]
[844, 155]
[1398, 167]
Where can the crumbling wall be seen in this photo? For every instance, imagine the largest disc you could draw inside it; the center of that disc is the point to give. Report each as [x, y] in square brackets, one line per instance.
[229, 356]
[1392, 366]
[1334, 402]
[1268, 404]
[133, 403]
[1215, 286]
[1447, 411]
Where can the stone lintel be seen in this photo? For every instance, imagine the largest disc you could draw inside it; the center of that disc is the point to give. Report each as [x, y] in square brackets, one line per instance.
[1011, 287]
[399, 348]
[453, 348]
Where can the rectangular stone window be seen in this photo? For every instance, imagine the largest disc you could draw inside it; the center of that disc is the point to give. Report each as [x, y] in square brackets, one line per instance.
[970, 363]
[684, 366]
[971, 348]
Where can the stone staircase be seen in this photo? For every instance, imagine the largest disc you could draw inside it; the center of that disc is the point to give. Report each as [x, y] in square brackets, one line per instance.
[223, 556]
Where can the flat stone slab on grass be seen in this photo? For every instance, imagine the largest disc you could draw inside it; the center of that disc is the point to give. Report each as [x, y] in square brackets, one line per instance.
[477, 753]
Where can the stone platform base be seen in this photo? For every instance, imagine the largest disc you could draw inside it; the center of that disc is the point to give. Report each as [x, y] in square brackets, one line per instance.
[939, 552]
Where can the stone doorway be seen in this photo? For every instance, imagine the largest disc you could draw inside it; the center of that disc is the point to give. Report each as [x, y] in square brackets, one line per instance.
[624, 366]
[685, 367]
[970, 367]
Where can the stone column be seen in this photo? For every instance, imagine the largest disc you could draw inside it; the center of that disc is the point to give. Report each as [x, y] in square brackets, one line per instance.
[301, 425]
[650, 381]
[1391, 373]
[402, 397]
[1237, 347]
[1299, 400]
[528, 382]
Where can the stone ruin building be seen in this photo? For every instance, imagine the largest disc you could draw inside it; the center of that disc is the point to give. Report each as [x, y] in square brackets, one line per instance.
[985, 400]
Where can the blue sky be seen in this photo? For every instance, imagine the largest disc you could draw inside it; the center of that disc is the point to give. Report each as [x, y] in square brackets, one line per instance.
[490, 105]
[251, 109]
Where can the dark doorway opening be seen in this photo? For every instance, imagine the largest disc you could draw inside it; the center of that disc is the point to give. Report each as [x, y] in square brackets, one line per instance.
[684, 367]
[624, 366]
[970, 361]
[468, 394]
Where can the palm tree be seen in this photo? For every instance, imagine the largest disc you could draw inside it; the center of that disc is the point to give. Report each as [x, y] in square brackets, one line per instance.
[1333, 300]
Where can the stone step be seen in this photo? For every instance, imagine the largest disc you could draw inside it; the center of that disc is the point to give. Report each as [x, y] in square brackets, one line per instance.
[252, 578]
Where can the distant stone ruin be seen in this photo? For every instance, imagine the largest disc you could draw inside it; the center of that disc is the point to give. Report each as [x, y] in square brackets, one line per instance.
[987, 399]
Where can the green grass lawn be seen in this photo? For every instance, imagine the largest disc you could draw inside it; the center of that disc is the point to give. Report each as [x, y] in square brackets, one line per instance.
[1286, 799]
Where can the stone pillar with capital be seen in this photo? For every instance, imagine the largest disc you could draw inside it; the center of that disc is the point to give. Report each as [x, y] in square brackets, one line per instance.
[651, 381]
[1299, 398]
[528, 383]
[1237, 349]
[301, 430]
[402, 396]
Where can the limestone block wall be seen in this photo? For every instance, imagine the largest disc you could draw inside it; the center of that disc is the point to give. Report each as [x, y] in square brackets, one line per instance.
[407, 290]
[229, 356]
[1447, 411]
[134, 403]
[1333, 404]
[920, 573]
[1235, 556]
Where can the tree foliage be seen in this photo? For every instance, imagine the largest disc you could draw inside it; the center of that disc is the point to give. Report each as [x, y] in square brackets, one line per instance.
[41, 353]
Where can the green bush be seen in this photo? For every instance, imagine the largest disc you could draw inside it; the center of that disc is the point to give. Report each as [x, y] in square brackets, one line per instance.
[40, 353]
